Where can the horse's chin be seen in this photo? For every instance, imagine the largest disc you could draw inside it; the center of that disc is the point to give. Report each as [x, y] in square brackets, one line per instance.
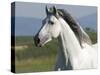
[40, 45]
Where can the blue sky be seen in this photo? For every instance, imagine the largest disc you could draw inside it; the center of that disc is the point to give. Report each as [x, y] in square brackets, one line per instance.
[28, 16]
[36, 10]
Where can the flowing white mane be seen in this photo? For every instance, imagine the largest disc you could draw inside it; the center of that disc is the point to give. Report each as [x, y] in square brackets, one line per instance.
[74, 25]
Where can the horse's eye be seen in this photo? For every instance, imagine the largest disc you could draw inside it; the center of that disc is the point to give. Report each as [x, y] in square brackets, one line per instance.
[50, 22]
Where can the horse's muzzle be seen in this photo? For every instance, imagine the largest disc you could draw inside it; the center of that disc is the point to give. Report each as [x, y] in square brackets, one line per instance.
[37, 41]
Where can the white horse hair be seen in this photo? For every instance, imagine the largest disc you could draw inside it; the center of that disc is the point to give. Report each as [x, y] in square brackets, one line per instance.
[76, 50]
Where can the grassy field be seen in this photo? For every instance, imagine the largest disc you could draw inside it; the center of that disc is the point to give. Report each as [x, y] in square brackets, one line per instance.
[30, 58]
[35, 65]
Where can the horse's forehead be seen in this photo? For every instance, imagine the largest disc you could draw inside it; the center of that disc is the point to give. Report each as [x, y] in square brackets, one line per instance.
[50, 16]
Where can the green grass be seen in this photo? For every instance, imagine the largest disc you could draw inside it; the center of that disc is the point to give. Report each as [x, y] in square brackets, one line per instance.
[35, 59]
[32, 51]
[22, 40]
[35, 65]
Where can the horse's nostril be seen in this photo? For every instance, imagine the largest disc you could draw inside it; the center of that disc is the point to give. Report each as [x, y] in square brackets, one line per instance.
[38, 40]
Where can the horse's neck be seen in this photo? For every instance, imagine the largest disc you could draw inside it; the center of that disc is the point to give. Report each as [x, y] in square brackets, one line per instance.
[62, 51]
[69, 41]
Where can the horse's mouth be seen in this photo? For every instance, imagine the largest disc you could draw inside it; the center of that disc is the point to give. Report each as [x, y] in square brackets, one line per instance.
[39, 45]
[37, 42]
[41, 42]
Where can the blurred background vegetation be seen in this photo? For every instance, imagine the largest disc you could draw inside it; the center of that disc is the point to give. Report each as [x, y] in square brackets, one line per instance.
[92, 34]
[30, 58]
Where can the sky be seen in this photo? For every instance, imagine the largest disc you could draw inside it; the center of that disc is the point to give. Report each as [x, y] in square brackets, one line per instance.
[29, 15]
[36, 10]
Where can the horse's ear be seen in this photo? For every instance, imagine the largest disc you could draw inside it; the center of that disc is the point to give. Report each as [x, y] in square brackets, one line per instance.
[54, 10]
[47, 10]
